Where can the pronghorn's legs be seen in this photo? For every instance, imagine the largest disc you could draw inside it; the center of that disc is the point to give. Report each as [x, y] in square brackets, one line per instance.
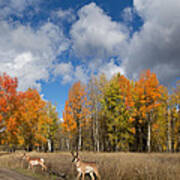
[29, 166]
[92, 176]
[83, 174]
[78, 176]
[97, 174]
[43, 166]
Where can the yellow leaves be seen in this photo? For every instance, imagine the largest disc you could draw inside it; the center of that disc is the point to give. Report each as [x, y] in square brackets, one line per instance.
[140, 121]
[133, 130]
[40, 138]
[20, 140]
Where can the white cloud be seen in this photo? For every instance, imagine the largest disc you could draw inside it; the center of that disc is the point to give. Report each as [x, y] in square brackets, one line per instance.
[71, 74]
[81, 74]
[128, 14]
[15, 7]
[29, 54]
[157, 45]
[96, 38]
[110, 69]
[95, 35]
[67, 15]
[65, 70]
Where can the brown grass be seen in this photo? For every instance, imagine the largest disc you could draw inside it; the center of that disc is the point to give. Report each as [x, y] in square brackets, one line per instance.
[112, 166]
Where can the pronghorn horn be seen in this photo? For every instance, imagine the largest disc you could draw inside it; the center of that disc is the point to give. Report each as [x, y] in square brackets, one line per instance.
[72, 152]
[77, 153]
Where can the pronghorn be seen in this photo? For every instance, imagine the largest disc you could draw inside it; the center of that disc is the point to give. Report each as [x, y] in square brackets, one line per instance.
[34, 162]
[85, 167]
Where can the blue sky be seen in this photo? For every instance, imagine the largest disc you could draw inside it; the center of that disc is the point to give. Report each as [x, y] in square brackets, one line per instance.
[51, 44]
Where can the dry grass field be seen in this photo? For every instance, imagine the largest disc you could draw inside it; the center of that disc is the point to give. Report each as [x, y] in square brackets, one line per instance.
[112, 166]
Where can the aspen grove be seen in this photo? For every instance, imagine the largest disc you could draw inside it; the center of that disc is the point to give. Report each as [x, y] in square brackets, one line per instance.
[103, 115]
[122, 115]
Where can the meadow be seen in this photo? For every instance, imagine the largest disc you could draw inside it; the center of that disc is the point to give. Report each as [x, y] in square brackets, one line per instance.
[112, 166]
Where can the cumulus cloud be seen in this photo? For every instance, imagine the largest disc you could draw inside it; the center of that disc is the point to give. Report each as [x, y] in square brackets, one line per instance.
[65, 70]
[15, 7]
[157, 45]
[81, 74]
[67, 15]
[128, 14]
[95, 39]
[95, 35]
[71, 74]
[110, 69]
[29, 54]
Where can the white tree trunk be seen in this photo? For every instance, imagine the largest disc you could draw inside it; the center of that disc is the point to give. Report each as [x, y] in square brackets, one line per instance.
[149, 133]
[80, 138]
[49, 145]
[97, 132]
[149, 137]
[169, 138]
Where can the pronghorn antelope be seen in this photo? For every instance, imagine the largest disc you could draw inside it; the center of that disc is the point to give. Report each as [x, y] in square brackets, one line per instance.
[34, 162]
[85, 167]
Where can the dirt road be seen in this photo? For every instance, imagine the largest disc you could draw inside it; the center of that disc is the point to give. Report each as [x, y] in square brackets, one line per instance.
[6, 174]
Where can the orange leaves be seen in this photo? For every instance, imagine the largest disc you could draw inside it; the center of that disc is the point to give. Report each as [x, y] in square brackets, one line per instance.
[11, 124]
[126, 88]
[155, 126]
[69, 124]
[147, 93]
[76, 109]
[33, 117]
[133, 130]
[8, 105]
[8, 84]
[1, 118]
[8, 92]
[24, 116]
[131, 119]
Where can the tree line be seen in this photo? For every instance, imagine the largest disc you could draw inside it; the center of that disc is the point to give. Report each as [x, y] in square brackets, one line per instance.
[122, 115]
[26, 120]
[103, 115]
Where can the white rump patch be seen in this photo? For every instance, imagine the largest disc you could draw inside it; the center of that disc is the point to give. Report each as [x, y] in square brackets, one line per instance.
[34, 162]
[79, 170]
[89, 169]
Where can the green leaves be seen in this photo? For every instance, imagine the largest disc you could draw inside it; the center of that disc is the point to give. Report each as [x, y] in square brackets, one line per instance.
[118, 116]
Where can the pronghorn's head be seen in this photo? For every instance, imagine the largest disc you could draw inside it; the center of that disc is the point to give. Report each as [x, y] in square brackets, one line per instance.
[75, 157]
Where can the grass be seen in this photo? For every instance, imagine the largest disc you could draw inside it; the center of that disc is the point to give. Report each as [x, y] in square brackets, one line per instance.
[112, 166]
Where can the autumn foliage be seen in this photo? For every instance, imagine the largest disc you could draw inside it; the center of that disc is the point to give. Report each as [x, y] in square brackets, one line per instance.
[75, 114]
[24, 120]
[104, 115]
[124, 115]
